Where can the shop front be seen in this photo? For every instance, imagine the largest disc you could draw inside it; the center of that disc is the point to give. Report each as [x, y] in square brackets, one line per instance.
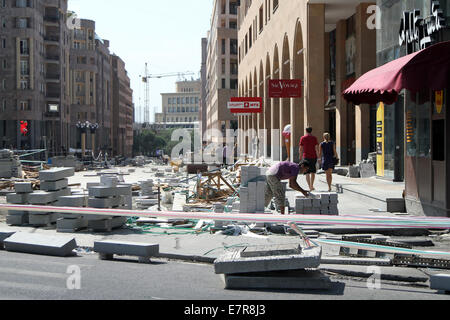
[416, 85]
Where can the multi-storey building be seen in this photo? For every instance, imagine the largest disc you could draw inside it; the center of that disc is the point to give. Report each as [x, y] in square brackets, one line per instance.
[326, 44]
[90, 85]
[181, 109]
[122, 109]
[202, 113]
[34, 55]
[222, 65]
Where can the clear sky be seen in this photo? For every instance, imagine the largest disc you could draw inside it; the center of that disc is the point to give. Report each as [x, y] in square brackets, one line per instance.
[166, 34]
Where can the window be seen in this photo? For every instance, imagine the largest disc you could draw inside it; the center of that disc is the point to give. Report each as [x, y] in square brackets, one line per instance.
[233, 25]
[261, 18]
[23, 105]
[233, 83]
[223, 66]
[3, 22]
[224, 84]
[3, 43]
[234, 67]
[24, 47]
[223, 46]
[24, 68]
[22, 23]
[233, 46]
[275, 5]
[24, 84]
[5, 65]
[4, 105]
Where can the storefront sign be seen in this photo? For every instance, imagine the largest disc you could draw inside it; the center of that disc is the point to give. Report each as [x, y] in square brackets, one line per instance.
[416, 30]
[380, 140]
[439, 101]
[285, 88]
[245, 105]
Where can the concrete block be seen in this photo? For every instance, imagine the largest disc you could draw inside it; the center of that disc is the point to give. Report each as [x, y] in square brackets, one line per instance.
[281, 280]
[40, 244]
[440, 282]
[42, 220]
[23, 187]
[42, 197]
[123, 248]
[17, 198]
[65, 225]
[233, 263]
[54, 185]
[396, 205]
[56, 174]
[109, 181]
[5, 235]
[104, 225]
[74, 201]
[100, 203]
[17, 220]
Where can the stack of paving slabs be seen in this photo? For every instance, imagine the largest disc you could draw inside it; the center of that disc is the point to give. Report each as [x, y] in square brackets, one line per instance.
[54, 184]
[252, 192]
[147, 198]
[23, 190]
[108, 195]
[10, 165]
[286, 266]
[70, 222]
[318, 204]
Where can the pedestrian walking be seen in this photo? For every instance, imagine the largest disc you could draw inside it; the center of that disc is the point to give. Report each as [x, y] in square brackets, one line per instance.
[328, 158]
[284, 171]
[309, 149]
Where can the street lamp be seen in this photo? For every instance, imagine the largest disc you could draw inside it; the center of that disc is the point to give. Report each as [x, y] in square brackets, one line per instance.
[83, 126]
[93, 128]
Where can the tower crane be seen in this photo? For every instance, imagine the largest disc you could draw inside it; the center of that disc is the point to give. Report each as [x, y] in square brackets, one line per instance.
[146, 77]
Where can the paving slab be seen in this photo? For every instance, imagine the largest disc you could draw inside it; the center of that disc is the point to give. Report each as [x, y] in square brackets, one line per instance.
[54, 185]
[267, 251]
[23, 187]
[56, 174]
[17, 198]
[5, 235]
[108, 248]
[440, 282]
[65, 225]
[74, 201]
[40, 244]
[290, 280]
[232, 262]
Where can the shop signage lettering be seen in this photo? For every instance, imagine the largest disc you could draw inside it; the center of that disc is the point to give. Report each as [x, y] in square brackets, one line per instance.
[414, 29]
[245, 105]
[285, 88]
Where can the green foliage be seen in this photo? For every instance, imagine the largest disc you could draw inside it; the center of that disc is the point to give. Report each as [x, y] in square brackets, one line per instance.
[147, 142]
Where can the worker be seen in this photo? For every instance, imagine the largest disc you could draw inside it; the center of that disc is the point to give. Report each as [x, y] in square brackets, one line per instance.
[284, 171]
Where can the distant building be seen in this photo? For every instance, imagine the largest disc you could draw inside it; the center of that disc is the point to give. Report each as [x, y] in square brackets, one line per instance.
[122, 110]
[181, 109]
[34, 56]
[202, 114]
[222, 65]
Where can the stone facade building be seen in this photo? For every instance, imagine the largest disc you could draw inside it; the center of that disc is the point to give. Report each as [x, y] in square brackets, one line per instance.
[325, 44]
[222, 66]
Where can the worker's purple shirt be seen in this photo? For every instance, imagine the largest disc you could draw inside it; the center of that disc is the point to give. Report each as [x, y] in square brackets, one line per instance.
[285, 170]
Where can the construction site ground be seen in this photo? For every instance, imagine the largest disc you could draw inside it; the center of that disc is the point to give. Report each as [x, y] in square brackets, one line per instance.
[203, 248]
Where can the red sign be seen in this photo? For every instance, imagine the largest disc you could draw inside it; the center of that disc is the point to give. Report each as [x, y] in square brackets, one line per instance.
[246, 105]
[285, 88]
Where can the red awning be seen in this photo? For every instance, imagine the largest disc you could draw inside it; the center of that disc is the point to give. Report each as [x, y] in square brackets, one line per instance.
[425, 69]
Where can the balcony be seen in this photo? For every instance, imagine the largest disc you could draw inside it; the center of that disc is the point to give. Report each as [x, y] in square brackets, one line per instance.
[52, 77]
[52, 39]
[52, 58]
[52, 19]
[53, 95]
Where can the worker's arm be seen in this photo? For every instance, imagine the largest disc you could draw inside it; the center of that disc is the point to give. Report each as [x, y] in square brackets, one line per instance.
[334, 149]
[294, 185]
[301, 153]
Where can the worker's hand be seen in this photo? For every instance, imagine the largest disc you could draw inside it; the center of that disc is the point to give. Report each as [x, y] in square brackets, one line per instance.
[306, 194]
